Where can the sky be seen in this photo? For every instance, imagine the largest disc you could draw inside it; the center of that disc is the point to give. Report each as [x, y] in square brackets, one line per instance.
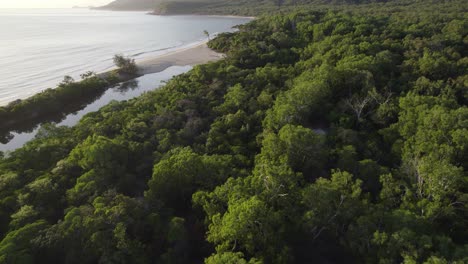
[50, 3]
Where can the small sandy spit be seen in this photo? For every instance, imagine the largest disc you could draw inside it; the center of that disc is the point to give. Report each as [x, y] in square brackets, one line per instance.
[193, 55]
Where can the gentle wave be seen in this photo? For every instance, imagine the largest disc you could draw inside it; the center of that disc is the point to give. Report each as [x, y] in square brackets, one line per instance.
[35, 53]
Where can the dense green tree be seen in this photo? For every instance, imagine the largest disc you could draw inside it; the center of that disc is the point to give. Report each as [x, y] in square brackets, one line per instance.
[328, 134]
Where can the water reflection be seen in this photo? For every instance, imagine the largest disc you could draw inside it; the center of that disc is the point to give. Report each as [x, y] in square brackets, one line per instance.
[124, 87]
[8, 133]
[18, 136]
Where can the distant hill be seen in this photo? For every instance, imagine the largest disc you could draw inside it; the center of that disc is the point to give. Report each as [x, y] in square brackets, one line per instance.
[222, 7]
[245, 7]
[124, 5]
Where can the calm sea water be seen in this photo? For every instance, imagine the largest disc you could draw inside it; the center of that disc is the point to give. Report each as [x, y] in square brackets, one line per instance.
[40, 46]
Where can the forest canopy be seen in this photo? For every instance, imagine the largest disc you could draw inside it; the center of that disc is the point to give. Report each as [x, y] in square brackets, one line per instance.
[324, 136]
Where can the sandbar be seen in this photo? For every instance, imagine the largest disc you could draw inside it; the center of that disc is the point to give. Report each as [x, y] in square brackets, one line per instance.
[193, 55]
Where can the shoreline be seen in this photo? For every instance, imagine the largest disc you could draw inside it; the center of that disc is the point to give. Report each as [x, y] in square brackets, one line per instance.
[199, 53]
[189, 55]
[149, 63]
[32, 112]
[18, 135]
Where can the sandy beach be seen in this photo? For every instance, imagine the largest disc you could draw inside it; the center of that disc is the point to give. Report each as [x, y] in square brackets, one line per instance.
[194, 55]
[31, 68]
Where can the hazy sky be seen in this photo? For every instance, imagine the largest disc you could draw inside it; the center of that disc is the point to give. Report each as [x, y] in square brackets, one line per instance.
[49, 3]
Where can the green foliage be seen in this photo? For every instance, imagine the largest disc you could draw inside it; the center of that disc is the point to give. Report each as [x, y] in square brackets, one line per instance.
[125, 65]
[67, 97]
[230, 258]
[324, 136]
[16, 246]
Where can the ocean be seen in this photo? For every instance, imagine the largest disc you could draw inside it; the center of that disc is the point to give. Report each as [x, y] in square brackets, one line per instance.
[38, 47]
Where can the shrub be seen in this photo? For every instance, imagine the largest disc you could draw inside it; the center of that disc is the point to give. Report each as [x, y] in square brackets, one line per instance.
[125, 65]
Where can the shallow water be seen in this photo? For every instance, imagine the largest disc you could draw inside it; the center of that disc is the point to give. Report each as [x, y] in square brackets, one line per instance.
[40, 46]
[120, 92]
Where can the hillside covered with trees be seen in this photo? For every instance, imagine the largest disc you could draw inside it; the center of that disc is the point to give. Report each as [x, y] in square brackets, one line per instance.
[131, 5]
[230, 7]
[324, 136]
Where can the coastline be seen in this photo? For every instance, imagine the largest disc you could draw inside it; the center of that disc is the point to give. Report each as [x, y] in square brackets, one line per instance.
[192, 55]
[37, 75]
[34, 107]
[19, 134]
[189, 55]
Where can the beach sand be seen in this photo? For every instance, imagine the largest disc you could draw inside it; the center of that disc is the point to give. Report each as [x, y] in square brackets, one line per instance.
[194, 55]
